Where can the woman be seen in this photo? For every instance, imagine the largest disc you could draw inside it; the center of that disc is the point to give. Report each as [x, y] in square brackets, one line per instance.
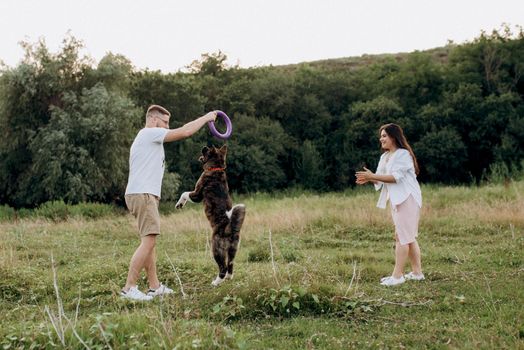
[396, 176]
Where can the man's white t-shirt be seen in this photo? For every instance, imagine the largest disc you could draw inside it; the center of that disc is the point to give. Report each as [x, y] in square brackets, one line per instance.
[146, 162]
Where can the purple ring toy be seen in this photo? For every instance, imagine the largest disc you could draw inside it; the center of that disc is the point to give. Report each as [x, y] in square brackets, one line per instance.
[229, 127]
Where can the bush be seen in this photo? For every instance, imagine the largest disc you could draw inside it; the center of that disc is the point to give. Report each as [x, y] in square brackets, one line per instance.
[54, 210]
[288, 301]
[24, 213]
[170, 185]
[6, 213]
[167, 208]
[499, 173]
[92, 210]
[259, 253]
[290, 254]
[60, 211]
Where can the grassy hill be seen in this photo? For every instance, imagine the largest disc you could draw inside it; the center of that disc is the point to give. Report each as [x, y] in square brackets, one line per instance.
[307, 277]
[439, 54]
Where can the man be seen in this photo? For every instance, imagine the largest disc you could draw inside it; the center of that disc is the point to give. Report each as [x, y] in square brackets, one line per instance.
[146, 169]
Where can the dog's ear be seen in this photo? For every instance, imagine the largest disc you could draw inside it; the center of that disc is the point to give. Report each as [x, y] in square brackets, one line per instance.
[223, 150]
[205, 150]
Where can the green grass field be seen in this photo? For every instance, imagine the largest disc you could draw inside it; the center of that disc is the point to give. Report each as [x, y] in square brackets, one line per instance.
[314, 285]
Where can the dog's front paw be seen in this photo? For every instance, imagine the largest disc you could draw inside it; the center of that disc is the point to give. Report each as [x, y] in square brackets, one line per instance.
[218, 281]
[180, 204]
[184, 197]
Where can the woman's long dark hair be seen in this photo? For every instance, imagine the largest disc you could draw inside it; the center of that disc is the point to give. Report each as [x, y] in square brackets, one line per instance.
[395, 132]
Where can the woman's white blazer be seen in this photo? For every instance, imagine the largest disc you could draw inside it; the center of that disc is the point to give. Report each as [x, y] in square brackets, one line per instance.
[400, 165]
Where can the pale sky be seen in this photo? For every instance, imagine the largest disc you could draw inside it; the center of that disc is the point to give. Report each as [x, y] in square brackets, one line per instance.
[168, 35]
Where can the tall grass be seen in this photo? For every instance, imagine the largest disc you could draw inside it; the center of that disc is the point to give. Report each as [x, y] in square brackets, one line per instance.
[306, 276]
[59, 211]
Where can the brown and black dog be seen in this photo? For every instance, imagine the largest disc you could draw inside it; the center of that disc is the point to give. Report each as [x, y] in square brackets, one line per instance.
[225, 219]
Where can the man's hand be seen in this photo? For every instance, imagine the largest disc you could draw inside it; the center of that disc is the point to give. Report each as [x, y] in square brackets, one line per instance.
[190, 128]
[211, 116]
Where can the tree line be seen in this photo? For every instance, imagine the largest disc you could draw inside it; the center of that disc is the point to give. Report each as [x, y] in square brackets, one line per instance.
[67, 122]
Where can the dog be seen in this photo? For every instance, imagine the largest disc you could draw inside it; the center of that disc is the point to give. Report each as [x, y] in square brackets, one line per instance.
[226, 220]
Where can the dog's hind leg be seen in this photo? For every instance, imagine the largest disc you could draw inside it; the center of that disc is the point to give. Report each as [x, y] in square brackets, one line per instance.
[236, 216]
[220, 255]
[231, 252]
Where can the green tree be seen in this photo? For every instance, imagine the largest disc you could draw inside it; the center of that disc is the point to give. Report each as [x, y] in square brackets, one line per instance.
[511, 148]
[310, 168]
[114, 71]
[355, 144]
[26, 94]
[492, 60]
[417, 82]
[235, 97]
[66, 133]
[209, 64]
[81, 154]
[179, 93]
[441, 156]
[256, 155]
[273, 94]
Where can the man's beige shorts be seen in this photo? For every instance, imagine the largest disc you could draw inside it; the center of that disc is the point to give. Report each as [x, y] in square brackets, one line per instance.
[144, 207]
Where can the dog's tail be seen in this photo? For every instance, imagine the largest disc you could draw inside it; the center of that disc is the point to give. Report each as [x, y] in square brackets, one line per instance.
[238, 213]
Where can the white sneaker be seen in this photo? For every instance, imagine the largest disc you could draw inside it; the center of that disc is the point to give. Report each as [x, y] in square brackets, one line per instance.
[392, 281]
[161, 290]
[413, 277]
[134, 294]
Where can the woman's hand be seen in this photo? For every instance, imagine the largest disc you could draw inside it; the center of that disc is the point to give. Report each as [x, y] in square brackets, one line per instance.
[364, 177]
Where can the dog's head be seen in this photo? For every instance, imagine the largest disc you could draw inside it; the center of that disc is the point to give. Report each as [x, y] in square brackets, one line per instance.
[213, 157]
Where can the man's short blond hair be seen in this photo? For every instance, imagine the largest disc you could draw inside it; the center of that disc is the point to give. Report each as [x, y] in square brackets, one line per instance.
[157, 111]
